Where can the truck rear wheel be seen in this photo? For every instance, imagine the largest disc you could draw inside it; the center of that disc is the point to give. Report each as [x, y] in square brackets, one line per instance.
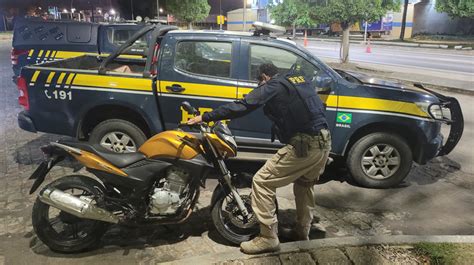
[380, 160]
[118, 136]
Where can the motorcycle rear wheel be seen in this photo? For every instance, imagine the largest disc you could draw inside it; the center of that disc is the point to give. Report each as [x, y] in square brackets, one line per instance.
[61, 231]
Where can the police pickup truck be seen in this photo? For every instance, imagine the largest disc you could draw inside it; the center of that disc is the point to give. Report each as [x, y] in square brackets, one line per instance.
[37, 41]
[378, 128]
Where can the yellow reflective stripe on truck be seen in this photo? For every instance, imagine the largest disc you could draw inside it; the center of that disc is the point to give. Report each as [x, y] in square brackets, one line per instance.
[60, 78]
[50, 77]
[349, 102]
[35, 76]
[202, 90]
[69, 78]
[363, 103]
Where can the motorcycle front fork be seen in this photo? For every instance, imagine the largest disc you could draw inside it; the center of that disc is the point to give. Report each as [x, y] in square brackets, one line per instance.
[227, 179]
[228, 182]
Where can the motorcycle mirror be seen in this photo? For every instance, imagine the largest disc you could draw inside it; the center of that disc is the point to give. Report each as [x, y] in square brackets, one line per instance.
[188, 108]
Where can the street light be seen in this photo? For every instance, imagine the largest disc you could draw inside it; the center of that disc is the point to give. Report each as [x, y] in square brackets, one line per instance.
[65, 10]
[161, 10]
[112, 11]
[72, 10]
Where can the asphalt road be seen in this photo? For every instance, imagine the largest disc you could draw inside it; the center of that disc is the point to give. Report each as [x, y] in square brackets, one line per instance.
[421, 58]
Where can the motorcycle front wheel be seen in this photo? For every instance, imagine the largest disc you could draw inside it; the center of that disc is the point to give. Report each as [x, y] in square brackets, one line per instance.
[229, 221]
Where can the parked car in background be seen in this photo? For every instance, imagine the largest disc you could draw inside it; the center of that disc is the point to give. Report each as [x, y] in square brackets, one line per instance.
[38, 41]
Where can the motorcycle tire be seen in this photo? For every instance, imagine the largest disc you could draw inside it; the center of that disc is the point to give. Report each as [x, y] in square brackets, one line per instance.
[228, 230]
[81, 240]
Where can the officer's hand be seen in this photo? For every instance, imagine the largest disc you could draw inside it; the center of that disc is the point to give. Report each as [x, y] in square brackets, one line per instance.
[195, 120]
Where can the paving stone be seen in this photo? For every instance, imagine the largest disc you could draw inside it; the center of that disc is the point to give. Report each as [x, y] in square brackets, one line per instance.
[330, 257]
[270, 260]
[297, 258]
[364, 256]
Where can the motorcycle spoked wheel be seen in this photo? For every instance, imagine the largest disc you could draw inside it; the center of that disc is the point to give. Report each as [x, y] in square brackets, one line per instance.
[230, 223]
[61, 231]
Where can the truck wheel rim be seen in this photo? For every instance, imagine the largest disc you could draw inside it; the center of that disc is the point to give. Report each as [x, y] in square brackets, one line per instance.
[118, 142]
[380, 161]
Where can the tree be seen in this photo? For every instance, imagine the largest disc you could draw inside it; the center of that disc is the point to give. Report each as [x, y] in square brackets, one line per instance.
[189, 11]
[292, 13]
[348, 12]
[456, 8]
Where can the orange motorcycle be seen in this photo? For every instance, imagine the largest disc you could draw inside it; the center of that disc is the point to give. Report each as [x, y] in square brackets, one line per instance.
[159, 184]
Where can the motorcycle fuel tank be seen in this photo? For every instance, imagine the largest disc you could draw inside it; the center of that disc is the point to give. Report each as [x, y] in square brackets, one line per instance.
[174, 144]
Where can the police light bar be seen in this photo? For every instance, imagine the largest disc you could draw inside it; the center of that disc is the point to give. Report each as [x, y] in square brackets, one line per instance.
[266, 28]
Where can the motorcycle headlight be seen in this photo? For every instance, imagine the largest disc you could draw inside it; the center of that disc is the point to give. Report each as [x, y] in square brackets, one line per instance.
[229, 139]
[433, 110]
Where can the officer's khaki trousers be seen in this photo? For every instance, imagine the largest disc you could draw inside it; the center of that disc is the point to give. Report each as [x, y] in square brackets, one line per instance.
[285, 168]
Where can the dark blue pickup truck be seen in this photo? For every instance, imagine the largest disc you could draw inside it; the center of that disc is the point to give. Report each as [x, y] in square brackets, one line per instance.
[379, 128]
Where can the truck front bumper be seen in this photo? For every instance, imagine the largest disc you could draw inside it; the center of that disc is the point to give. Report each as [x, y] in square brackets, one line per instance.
[430, 150]
[455, 121]
[25, 122]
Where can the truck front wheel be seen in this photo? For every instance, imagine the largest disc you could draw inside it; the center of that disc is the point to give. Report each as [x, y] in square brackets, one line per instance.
[380, 160]
[118, 136]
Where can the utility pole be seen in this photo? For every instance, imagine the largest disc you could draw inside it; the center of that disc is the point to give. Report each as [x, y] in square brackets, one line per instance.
[220, 13]
[244, 14]
[404, 20]
[131, 5]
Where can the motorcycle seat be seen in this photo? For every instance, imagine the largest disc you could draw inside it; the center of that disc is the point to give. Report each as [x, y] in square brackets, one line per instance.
[120, 160]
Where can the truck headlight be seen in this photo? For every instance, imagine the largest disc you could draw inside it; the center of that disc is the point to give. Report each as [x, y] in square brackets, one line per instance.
[436, 112]
[433, 110]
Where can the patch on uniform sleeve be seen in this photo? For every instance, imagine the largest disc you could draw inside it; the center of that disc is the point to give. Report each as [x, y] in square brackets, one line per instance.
[297, 79]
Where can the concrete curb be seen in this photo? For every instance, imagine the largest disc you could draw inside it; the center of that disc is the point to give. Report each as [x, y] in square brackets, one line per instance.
[300, 246]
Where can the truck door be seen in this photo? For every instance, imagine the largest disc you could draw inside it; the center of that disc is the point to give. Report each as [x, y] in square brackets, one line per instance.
[199, 70]
[256, 125]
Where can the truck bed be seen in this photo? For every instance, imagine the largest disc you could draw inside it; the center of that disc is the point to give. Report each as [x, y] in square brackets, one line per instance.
[91, 62]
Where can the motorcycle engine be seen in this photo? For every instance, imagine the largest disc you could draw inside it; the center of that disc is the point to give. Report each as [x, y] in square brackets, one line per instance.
[169, 192]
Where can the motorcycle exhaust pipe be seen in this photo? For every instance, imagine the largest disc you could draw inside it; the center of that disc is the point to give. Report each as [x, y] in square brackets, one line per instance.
[80, 207]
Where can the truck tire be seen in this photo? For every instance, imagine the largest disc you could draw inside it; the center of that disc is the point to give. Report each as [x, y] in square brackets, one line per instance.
[118, 136]
[380, 160]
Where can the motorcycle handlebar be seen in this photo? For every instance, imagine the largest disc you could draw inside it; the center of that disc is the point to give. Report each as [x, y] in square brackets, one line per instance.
[201, 126]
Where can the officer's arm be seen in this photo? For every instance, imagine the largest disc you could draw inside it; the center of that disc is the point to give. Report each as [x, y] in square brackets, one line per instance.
[255, 99]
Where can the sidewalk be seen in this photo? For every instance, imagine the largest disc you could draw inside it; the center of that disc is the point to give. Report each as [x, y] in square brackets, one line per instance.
[421, 44]
[345, 250]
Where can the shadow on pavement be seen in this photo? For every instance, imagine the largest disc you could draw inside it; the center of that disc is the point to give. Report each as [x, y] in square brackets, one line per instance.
[30, 153]
[123, 238]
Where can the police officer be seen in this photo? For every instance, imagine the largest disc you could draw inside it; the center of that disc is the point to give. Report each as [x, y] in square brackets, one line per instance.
[291, 102]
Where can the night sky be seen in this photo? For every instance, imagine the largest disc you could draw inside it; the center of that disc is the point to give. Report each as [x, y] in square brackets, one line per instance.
[141, 7]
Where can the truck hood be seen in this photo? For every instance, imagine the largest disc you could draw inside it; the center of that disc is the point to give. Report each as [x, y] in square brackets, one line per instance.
[369, 80]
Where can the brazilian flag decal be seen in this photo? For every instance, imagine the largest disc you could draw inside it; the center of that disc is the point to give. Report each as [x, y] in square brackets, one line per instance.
[344, 117]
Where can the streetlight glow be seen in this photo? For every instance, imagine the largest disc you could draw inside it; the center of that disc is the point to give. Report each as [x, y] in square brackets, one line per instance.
[112, 11]
[64, 10]
[161, 10]
[73, 10]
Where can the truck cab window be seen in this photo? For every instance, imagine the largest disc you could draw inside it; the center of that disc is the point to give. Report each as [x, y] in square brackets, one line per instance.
[287, 61]
[204, 58]
[120, 36]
